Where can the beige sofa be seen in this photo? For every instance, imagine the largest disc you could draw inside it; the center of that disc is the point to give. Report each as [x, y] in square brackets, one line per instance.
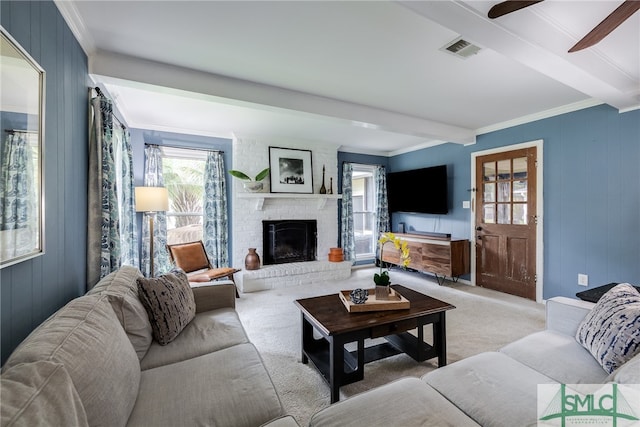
[489, 389]
[94, 363]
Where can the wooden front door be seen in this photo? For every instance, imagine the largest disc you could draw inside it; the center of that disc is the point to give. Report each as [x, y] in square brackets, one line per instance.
[505, 218]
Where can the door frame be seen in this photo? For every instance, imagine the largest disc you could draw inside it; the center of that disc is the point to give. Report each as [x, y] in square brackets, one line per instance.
[538, 144]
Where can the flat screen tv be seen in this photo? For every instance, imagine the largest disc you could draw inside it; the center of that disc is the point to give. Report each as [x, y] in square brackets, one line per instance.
[419, 190]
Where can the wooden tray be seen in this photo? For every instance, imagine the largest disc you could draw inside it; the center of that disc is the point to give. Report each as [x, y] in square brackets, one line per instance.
[395, 302]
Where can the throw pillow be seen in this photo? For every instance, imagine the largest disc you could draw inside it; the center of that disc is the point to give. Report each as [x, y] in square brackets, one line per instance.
[611, 331]
[169, 302]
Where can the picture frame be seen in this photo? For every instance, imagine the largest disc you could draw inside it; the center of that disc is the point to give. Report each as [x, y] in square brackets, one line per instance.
[291, 170]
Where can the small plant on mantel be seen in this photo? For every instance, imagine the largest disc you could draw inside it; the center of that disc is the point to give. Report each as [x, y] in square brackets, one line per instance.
[250, 184]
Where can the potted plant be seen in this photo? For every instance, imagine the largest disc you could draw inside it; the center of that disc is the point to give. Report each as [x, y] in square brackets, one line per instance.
[249, 184]
[382, 279]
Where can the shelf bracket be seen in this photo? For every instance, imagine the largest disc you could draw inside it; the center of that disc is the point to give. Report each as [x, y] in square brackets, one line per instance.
[260, 203]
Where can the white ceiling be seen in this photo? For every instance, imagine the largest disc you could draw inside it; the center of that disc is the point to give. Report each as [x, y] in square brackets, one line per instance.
[364, 75]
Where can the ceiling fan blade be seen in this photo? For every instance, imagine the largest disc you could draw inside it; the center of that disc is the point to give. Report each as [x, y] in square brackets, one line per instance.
[610, 23]
[509, 6]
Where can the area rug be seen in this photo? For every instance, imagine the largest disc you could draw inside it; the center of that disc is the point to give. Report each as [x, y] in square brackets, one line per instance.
[483, 320]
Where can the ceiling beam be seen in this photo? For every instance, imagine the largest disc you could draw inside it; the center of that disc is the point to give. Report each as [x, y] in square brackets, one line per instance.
[256, 95]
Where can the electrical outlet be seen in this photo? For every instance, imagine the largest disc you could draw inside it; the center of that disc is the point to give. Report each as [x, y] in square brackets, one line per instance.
[583, 280]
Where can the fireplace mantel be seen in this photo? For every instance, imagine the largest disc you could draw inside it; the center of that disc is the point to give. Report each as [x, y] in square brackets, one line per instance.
[261, 197]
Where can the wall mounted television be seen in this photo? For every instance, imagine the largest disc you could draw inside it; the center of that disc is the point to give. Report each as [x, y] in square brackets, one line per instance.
[419, 190]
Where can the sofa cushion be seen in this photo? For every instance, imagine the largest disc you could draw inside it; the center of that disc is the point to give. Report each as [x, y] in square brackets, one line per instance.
[557, 356]
[86, 337]
[404, 402]
[230, 387]
[611, 331]
[629, 373]
[169, 302]
[209, 331]
[40, 394]
[122, 291]
[492, 388]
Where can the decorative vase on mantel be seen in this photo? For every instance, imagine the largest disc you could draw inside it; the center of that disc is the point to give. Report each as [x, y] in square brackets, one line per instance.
[252, 260]
[323, 189]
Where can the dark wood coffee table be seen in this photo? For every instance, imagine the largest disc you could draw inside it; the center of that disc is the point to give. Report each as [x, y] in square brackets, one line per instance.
[329, 317]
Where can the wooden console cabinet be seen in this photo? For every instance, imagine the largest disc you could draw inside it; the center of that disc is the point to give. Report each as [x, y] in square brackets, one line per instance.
[444, 257]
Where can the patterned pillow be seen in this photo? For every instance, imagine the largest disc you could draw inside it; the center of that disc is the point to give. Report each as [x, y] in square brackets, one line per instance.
[169, 302]
[611, 331]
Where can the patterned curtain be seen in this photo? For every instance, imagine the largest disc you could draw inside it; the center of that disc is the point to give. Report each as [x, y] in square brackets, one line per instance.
[347, 233]
[215, 211]
[127, 203]
[111, 234]
[382, 203]
[18, 198]
[153, 178]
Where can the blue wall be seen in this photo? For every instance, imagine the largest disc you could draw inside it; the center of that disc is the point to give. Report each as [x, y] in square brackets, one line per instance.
[140, 136]
[591, 194]
[32, 290]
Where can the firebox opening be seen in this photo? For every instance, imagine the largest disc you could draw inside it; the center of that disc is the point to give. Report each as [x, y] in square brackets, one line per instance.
[291, 240]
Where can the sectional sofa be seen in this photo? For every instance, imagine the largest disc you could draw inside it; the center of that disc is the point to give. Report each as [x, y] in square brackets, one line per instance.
[94, 363]
[495, 388]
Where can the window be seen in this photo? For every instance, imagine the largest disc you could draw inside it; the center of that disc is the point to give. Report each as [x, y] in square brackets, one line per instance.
[364, 210]
[183, 173]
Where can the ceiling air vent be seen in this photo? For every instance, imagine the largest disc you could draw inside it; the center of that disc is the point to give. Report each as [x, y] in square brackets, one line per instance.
[460, 48]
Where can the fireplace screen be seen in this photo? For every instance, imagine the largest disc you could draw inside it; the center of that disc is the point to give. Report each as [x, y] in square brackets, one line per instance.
[289, 241]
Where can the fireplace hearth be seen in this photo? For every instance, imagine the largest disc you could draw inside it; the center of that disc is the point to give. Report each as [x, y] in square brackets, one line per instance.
[291, 240]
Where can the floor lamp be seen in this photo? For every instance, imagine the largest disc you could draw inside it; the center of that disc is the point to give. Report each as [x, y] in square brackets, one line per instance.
[151, 200]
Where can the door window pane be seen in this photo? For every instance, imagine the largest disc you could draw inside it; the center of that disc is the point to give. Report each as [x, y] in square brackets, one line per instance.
[489, 194]
[504, 169]
[520, 191]
[504, 191]
[520, 168]
[489, 215]
[489, 171]
[520, 213]
[504, 213]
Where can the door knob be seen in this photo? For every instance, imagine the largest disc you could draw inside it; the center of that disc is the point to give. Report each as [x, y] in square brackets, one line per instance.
[478, 228]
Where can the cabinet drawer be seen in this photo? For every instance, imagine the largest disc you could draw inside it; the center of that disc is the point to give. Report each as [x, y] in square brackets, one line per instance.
[393, 328]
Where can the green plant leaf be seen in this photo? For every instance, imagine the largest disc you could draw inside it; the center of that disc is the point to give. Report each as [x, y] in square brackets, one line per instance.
[239, 175]
[382, 279]
[262, 175]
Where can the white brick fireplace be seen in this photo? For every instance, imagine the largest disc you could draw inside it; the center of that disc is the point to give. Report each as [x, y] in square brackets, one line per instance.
[251, 155]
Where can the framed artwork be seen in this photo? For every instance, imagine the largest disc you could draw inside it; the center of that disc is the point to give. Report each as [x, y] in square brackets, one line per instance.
[290, 170]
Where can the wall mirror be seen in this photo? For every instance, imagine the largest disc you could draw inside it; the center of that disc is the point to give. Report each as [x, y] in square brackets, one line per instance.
[21, 148]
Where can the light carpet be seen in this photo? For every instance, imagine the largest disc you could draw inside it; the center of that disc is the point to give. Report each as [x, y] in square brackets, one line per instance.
[483, 320]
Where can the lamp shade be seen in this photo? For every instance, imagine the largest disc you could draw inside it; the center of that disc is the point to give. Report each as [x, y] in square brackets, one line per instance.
[152, 199]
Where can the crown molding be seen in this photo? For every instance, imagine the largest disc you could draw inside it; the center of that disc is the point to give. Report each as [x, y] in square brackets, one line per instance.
[569, 108]
[72, 17]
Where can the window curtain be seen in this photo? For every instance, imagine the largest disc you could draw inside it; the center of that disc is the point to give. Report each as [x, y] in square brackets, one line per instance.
[153, 178]
[18, 197]
[111, 234]
[382, 203]
[215, 211]
[347, 234]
